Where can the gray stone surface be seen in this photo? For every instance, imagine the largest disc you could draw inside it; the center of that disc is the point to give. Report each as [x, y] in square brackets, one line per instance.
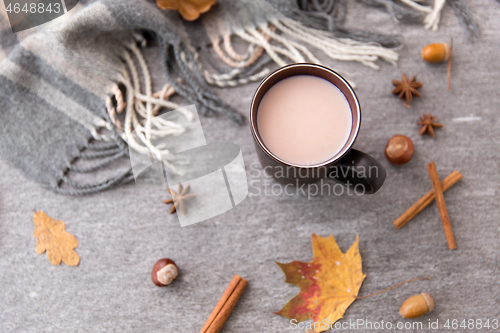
[122, 232]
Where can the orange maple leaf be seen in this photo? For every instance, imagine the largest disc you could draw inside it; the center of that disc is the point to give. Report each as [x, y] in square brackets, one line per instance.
[51, 236]
[190, 10]
[328, 284]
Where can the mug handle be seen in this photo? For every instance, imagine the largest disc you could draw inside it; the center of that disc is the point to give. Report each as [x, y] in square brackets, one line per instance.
[358, 168]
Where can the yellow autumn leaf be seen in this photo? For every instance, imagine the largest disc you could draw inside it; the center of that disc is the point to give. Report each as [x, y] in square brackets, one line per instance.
[190, 10]
[328, 284]
[52, 237]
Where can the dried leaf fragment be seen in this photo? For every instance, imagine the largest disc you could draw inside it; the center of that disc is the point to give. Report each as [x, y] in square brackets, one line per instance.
[190, 10]
[52, 237]
[328, 284]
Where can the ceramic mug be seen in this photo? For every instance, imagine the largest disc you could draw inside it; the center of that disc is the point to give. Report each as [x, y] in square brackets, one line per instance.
[349, 166]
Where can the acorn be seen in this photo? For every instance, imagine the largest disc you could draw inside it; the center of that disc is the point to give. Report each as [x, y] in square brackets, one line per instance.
[399, 149]
[164, 272]
[437, 52]
[417, 306]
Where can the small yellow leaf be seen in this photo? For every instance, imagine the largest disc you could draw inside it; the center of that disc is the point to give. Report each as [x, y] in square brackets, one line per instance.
[52, 237]
[328, 284]
[190, 10]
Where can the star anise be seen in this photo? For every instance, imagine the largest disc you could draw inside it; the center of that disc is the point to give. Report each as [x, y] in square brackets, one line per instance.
[178, 199]
[428, 124]
[406, 89]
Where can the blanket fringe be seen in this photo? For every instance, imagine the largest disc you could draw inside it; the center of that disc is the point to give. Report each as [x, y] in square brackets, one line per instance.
[286, 40]
[143, 105]
[431, 21]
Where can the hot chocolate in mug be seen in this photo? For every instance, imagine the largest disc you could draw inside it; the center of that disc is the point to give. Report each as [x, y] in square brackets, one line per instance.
[304, 119]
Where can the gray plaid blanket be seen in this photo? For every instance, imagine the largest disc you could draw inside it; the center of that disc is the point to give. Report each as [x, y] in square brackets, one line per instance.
[72, 90]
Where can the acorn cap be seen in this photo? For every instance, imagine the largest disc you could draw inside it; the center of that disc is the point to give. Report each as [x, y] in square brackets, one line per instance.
[429, 300]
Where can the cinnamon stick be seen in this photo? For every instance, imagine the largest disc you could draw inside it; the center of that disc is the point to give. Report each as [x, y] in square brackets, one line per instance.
[426, 200]
[225, 305]
[431, 167]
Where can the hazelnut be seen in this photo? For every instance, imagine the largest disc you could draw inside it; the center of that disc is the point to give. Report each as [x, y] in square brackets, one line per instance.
[436, 52]
[399, 149]
[417, 306]
[164, 272]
